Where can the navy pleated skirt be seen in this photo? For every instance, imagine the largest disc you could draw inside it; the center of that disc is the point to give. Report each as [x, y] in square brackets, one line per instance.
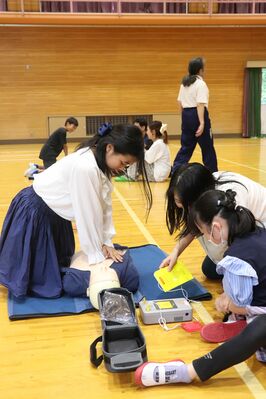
[35, 242]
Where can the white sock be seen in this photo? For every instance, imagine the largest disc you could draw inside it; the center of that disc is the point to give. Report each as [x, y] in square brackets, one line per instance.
[163, 373]
[173, 374]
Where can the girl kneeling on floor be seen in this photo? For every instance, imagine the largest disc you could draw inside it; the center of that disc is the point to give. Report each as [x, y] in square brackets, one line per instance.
[37, 238]
[216, 216]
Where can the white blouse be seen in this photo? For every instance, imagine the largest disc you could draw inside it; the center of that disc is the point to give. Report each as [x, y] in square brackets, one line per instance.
[159, 155]
[76, 189]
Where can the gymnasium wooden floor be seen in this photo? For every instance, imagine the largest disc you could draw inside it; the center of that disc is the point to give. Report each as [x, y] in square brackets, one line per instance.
[49, 357]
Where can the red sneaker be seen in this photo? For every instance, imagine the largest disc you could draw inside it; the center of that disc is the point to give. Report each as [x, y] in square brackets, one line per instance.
[221, 332]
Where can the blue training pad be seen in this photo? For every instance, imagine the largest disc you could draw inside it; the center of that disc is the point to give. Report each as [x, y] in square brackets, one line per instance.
[30, 307]
[146, 259]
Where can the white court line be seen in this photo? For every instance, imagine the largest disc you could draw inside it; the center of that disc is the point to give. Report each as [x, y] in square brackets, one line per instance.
[232, 162]
[243, 370]
[135, 218]
[242, 164]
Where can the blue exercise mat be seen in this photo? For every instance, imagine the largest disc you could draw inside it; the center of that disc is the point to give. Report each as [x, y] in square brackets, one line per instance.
[146, 258]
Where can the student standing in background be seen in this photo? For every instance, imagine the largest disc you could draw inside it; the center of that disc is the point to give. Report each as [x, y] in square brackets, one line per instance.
[196, 125]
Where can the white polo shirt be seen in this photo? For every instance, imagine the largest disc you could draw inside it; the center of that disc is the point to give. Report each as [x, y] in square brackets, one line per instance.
[197, 93]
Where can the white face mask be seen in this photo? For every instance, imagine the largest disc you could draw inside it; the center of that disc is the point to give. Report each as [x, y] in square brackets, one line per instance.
[222, 244]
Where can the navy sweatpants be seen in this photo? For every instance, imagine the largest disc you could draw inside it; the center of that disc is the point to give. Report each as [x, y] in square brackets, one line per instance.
[190, 124]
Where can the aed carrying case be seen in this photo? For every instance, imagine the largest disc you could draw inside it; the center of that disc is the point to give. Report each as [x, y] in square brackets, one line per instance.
[123, 345]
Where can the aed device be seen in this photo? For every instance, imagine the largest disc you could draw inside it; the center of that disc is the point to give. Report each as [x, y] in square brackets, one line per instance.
[172, 310]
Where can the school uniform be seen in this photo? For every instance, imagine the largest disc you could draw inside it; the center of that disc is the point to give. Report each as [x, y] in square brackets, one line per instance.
[158, 155]
[190, 97]
[244, 274]
[157, 162]
[53, 147]
[37, 237]
[249, 194]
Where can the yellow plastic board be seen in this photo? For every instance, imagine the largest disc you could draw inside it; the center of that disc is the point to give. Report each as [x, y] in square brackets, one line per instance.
[176, 277]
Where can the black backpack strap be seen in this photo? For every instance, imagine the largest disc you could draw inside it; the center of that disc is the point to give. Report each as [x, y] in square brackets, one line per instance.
[93, 352]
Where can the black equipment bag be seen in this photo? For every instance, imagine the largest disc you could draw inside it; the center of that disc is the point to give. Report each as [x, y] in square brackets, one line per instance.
[123, 345]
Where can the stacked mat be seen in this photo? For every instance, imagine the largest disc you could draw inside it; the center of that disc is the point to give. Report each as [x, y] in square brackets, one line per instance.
[146, 258]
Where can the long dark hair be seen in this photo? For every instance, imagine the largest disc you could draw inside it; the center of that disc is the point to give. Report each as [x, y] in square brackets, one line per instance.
[188, 182]
[215, 202]
[126, 140]
[194, 66]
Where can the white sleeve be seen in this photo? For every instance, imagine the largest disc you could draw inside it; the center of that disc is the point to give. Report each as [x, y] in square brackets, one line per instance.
[242, 194]
[202, 93]
[255, 310]
[108, 226]
[154, 153]
[85, 188]
[179, 97]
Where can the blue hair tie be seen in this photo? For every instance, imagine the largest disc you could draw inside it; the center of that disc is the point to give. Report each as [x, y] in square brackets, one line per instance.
[104, 129]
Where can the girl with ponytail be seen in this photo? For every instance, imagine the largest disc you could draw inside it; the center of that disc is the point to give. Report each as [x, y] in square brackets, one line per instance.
[37, 239]
[243, 267]
[193, 98]
[157, 157]
[232, 227]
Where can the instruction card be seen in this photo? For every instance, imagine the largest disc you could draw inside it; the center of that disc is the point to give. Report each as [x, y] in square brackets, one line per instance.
[177, 276]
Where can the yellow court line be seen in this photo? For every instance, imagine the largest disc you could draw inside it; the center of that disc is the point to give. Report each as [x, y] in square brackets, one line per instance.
[243, 370]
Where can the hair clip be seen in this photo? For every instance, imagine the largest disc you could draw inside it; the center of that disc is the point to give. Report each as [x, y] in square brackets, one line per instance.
[163, 128]
[218, 203]
[105, 128]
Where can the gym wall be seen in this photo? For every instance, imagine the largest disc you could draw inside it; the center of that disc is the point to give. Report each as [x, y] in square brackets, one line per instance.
[48, 72]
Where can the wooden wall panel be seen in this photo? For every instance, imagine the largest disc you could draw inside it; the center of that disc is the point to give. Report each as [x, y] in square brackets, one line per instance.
[50, 71]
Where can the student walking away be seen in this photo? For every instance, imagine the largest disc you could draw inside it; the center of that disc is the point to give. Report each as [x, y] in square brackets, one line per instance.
[232, 352]
[37, 237]
[196, 125]
[57, 143]
[187, 183]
